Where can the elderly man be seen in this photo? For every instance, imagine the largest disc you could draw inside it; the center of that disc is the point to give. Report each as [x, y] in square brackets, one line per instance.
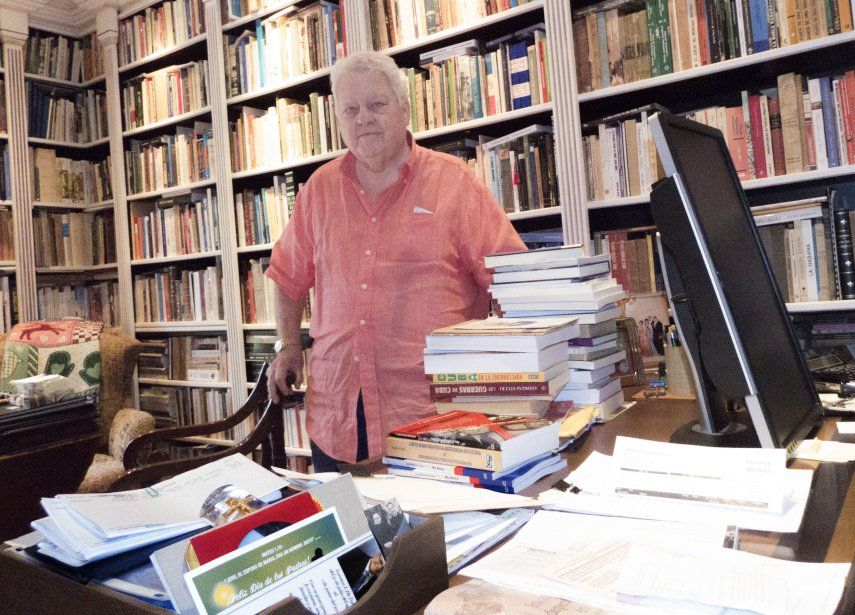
[392, 238]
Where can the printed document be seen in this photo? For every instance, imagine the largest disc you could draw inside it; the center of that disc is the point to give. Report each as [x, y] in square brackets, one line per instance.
[846, 427]
[596, 496]
[745, 478]
[826, 450]
[710, 577]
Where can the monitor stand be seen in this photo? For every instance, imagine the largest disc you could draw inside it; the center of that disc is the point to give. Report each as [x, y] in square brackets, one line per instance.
[734, 435]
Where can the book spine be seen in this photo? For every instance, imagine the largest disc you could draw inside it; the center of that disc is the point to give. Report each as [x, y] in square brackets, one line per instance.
[439, 392]
[447, 454]
[845, 256]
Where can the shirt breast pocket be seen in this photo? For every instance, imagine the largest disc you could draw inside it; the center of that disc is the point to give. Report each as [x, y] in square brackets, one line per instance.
[418, 239]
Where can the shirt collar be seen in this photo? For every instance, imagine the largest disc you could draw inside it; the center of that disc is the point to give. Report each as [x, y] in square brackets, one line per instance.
[349, 162]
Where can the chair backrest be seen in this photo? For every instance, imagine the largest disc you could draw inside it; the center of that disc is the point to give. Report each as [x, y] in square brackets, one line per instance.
[119, 354]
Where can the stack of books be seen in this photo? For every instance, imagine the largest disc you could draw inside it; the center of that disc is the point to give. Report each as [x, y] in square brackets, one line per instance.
[564, 282]
[499, 365]
[500, 453]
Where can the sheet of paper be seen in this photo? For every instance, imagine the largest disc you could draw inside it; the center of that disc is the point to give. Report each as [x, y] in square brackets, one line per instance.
[594, 478]
[846, 427]
[826, 450]
[745, 478]
[459, 547]
[433, 496]
[730, 579]
[832, 401]
[172, 502]
[550, 540]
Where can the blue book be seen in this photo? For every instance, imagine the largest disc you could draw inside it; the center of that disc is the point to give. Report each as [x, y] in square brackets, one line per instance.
[520, 75]
[259, 35]
[475, 80]
[829, 122]
[759, 25]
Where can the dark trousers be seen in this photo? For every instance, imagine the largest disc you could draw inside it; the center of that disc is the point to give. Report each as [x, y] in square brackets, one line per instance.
[322, 462]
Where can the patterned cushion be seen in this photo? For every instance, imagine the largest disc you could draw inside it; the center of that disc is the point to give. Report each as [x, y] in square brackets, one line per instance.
[101, 474]
[127, 425]
[68, 347]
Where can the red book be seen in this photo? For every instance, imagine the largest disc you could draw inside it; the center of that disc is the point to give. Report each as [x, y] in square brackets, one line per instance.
[757, 136]
[847, 92]
[777, 136]
[224, 539]
[736, 141]
[703, 39]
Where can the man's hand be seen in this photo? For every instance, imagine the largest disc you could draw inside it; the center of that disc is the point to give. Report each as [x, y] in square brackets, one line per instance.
[288, 361]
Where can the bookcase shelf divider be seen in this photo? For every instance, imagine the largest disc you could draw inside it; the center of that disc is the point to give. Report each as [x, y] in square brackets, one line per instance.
[14, 31]
[225, 201]
[107, 23]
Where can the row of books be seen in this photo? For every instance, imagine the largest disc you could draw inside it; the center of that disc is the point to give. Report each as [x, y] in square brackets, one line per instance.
[287, 130]
[259, 349]
[257, 292]
[55, 179]
[619, 41]
[7, 303]
[74, 238]
[461, 82]
[293, 42]
[174, 294]
[66, 115]
[296, 435]
[175, 226]
[836, 331]
[5, 172]
[397, 22]
[621, 159]
[185, 357]
[262, 214]
[7, 240]
[176, 406]
[165, 93]
[634, 258]
[170, 160]
[60, 57]
[159, 27]
[89, 301]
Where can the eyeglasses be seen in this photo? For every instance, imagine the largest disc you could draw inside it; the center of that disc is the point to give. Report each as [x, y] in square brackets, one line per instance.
[378, 107]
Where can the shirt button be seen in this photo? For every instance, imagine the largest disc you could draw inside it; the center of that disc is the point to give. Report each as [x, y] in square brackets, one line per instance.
[368, 253]
[364, 286]
[373, 219]
[361, 322]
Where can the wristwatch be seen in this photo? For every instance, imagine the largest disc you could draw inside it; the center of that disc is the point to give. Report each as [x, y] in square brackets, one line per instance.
[286, 342]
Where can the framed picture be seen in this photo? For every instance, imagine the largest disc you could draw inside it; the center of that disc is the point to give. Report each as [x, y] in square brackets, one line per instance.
[631, 369]
[650, 313]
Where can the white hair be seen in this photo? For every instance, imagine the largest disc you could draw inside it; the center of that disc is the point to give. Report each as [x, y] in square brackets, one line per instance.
[364, 61]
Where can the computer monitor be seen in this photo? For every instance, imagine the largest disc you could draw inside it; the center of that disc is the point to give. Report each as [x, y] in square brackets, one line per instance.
[729, 312]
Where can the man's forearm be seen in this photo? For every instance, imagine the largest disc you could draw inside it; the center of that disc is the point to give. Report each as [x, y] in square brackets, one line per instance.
[289, 314]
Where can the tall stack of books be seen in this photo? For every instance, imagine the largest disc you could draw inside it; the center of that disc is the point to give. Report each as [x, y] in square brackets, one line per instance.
[500, 453]
[499, 365]
[563, 282]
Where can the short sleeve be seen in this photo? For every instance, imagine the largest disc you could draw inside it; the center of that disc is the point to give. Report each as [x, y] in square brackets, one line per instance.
[292, 265]
[486, 229]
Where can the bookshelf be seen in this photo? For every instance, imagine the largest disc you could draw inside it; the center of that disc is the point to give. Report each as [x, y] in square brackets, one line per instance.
[699, 84]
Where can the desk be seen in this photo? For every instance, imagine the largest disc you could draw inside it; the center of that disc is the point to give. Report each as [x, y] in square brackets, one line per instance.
[827, 534]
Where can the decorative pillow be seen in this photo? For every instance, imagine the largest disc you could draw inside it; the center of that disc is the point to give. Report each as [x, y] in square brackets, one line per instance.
[68, 347]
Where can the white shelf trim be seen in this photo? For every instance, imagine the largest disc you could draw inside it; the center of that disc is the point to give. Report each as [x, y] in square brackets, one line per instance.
[535, 213]
[100, 206]
[268, 326]
[839, 305]
[176, 259]
[180, 325]
[170, 121]
[424, 41]
[277, 87]
[163, 53]
[196, 384]
[41, 205]
[64, 82]
[484, 121]
[291, 164]
[76, 268]
[719, 67]
[262, 247]
[140, 196]
[300, 452]
[57, 143]
[268, 10]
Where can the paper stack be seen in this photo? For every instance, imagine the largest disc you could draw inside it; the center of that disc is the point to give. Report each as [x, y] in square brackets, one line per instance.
[499, 365]
[82, 528]
[564, 282]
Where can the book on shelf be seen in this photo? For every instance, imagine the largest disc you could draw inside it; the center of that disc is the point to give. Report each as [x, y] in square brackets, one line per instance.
[495, 361]
[292, 42]
[61, 57]
[622, 41]
[179, 406]
[164, 93]
[55, 179]
[7, 237]
[73, 238]
[182, 357]
[158, 28]
[262, 214]
[3, 120]
[287, 130]
[66, 114]
[89, 301]
[170, 161]
[173, 294]
[8, 303]
[296, 435]
[502, 334]
[634, 258]
[175, 226]
[474, 440]
[258, 292]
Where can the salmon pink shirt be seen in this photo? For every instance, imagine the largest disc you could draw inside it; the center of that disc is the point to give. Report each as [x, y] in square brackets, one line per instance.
[386, 272]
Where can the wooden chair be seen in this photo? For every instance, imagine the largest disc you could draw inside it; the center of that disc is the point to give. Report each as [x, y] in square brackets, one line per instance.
[268, 432]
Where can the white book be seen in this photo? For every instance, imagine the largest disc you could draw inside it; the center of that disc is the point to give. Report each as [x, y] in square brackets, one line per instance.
[590, 396]
[586, 376]
[567, 288]
[503, 334]
[493, 362]
[583, 318]
[529, 257]
[555, 303]
[818, 123]
[610, 359]
[568, 273]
